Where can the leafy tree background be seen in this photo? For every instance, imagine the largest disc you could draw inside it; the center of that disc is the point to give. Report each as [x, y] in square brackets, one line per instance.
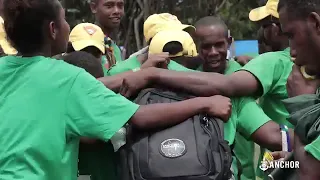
[130, 35]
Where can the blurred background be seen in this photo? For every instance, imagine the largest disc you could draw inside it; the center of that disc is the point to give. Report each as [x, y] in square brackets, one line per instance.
[130, 35]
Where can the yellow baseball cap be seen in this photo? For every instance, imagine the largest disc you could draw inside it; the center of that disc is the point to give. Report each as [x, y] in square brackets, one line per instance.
[159, 22]
[271, 8]
[162, 38]
[86, 34]
[5, 45]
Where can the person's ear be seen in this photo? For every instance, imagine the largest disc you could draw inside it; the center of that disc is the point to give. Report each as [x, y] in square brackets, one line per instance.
[93, 6]
[230, 41]
[53, 30]
[275, 30]
[314, 22]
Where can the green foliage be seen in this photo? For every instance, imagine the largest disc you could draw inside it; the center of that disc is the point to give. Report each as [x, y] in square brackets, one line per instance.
[234, 12]
[236, 16]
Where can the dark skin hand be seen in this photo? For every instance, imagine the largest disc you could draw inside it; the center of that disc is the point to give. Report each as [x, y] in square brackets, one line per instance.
[241, 83]
[217, 106]
[142, 57]
[144, 118]
[269, 136]
[160, 60]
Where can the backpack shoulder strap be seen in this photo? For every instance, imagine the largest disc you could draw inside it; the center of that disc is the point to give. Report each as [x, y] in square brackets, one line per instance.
[221, 126]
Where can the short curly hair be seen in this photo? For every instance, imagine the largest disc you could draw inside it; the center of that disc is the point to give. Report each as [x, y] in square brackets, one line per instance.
[299, 8]
[25, 21]
[84, 60]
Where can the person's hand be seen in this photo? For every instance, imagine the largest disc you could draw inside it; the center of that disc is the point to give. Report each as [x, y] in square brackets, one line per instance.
[138, 80]
[218, 106]
[280, 155]
[157, 60]
[243, 60]
[298, 85]
[142, 58]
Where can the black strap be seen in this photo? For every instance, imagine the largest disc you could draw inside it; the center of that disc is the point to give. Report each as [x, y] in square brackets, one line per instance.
[239, 166]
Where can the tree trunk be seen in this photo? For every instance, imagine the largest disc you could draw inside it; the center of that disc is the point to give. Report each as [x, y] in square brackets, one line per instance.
[136, 25]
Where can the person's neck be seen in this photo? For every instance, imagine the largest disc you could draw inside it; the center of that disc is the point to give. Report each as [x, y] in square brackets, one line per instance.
[283, 47]
[107, 31]
[44, 52]
[284, 44]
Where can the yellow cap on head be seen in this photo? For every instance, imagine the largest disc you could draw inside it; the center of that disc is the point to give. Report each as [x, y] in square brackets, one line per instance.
[159, 22]
[5, 45]
[162, 38]
[86, 34]
[270, 9]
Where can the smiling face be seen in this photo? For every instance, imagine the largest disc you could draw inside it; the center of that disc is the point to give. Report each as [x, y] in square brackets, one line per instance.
[213, 44]
[108, 12]
[304, 37]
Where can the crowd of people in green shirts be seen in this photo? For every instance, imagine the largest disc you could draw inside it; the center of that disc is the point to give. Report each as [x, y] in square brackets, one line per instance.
[64, 94]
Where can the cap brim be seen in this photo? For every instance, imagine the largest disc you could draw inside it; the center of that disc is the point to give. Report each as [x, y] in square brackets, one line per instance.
[79, 45]
[188, 28]
[7, 48]
[258, 14]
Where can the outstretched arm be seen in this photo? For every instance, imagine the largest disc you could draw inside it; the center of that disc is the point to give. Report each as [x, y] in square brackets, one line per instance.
[256, 125]
[94, 111]
[241, 83]
[269, 136]
[261, 75]
[114, 82]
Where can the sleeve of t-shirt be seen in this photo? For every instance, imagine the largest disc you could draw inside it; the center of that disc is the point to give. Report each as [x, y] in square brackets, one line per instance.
[314, 148]
[141, 51]
[177, 67]
[124, 66]
[95, 111]
[250, 117]
[267, 68]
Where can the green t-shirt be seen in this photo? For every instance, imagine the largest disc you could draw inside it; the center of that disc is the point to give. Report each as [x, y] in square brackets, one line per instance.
[233, 66]
[46, 105]
[314, 148]
[246, 118]
[117, 55]
[272, 70]
[116, 52]
[244, 148]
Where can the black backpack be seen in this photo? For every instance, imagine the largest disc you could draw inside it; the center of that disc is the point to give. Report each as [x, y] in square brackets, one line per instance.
[192, 150]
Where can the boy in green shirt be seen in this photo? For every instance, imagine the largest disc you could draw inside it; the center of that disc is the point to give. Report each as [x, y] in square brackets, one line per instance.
[47, 104]
[264, 76]
[296, 17]
[245, 110]
[108, 14]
